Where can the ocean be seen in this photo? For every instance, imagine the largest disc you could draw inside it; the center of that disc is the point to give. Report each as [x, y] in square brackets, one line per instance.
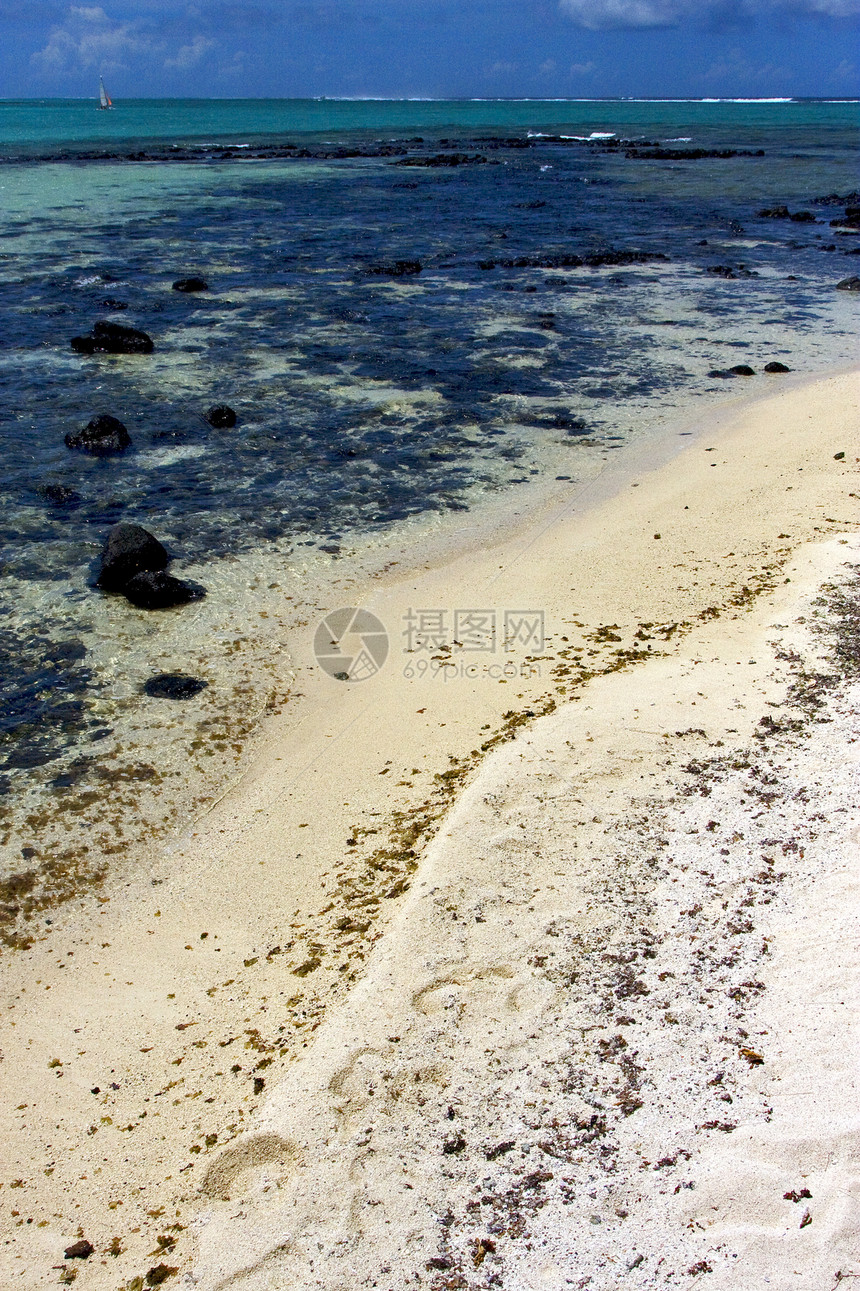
[416, 309]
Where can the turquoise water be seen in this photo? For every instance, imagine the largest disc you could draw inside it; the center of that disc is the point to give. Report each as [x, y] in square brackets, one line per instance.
[70, 121]
[572, 288]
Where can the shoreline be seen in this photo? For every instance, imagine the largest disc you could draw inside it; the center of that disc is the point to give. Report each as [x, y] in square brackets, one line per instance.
[264, 602]
[235, 875]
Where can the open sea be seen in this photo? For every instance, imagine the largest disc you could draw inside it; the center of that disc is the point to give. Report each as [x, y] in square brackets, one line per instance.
[415, 308]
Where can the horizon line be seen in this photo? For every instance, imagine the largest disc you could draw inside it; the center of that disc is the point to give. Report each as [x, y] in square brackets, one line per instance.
[458, 98]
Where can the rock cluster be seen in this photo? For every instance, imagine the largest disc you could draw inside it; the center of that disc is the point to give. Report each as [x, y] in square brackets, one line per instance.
[134, 563]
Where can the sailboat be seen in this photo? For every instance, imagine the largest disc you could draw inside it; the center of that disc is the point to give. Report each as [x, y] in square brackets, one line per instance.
[104, 101]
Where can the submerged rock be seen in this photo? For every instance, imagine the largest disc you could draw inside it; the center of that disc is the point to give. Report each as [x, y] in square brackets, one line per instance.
[730, 271]
[191, 284]
[59, 495]
[102, 435]
[395, 269]
[174, 685]
[155, 589]
[774, 213]
[775, 366]
[446, 159]
[689, 154]
[221, 416]
[570, 260]
[130, 549]
[113, 338]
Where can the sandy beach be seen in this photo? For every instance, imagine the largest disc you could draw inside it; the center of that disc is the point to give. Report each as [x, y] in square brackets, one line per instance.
[528, 963]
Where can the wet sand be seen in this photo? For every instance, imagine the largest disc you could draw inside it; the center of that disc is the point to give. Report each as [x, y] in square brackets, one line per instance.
[413, 959]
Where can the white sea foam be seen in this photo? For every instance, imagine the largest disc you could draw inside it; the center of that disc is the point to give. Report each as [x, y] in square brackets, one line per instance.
[771, 100]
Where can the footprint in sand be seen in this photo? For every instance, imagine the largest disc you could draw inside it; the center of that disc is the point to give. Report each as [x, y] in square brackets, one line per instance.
[249, 1166]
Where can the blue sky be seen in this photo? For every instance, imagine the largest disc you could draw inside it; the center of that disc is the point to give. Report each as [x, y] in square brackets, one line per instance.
[436, 48]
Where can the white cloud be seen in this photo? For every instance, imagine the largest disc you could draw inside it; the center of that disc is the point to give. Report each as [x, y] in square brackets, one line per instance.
[190, 55]
[599, 14]
[596, 14]
[581, 69]
[89, 39]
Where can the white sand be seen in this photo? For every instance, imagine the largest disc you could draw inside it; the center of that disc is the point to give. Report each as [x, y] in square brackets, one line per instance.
[504, 1008]
[573, 870]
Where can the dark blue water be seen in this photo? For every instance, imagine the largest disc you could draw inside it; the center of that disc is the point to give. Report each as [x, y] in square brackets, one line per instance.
[365, 398]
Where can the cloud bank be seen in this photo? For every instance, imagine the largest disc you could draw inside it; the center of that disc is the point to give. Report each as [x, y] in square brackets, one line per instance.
[87, 39]
[598, 15]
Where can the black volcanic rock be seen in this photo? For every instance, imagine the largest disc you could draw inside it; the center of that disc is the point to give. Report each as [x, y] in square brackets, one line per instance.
[59, 495]
[221, 416]
[849, 284]
[726, 374]
[570, 260]
[774, 213]
[191, 284]
[101, 436]
[445, 159]
[688, 154]
[837, 199]
[129, 550]
[113, 338]
[776, 366]
[173, 685]
[155, 589]
[730, 271]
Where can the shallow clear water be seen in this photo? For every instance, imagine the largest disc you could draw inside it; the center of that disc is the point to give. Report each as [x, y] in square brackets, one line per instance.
[365, 401]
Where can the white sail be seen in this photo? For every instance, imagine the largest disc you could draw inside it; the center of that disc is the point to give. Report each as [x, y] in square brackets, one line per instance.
[104, 101]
